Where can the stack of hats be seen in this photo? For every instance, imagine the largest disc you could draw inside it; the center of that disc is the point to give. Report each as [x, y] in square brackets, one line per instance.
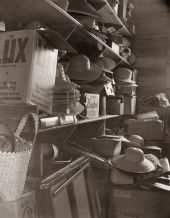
[136, 169]
[66, 95]
[124, 83]
[91, 77]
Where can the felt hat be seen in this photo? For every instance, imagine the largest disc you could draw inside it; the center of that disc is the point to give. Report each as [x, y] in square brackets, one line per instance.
[124, 75]
[82, 7]
[100, 62]
[81, 69]
[133, 161]
[137, 139]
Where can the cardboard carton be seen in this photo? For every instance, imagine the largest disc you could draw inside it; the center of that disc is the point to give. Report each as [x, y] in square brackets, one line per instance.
[25, 207]
[27, 69]
[135, 203]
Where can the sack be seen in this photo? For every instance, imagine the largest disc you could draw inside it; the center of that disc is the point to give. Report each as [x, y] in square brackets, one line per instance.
[14, 163]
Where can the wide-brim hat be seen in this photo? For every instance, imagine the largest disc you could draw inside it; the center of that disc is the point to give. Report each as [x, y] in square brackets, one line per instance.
[81, 69]
[126, 84]
[134, 161]
[82, 7]
[124, 75]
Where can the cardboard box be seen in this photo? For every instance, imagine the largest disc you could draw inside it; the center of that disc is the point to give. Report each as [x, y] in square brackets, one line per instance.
[27, 69]
[25, 207]
[139, 204]
[115, 106]
[91, 104]
[125, 90]
[106, 147]
[147, 129]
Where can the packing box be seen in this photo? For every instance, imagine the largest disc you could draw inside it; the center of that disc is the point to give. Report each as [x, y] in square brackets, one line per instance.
[148, 129]
[25, 207]
[106, 147]
[114, 106]
[135, 203]
[27, 69]
[129, 104]
[125, 90]
[91, 104]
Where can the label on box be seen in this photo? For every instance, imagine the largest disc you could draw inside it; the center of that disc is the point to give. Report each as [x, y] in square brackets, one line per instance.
[27, 69]
[92, 105]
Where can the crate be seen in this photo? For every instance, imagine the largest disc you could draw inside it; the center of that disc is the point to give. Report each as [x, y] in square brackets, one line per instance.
[27, 69]
[139, 203]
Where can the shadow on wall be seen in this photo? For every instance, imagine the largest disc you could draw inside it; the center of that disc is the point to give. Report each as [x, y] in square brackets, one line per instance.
[167, 2]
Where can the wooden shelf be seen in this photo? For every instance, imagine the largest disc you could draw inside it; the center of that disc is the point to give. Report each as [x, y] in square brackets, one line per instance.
[48, 13]
[109, 16]
[80, 122]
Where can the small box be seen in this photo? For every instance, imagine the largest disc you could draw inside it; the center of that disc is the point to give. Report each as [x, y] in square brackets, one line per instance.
[139, 204]
[27, 69]
[129, 104]
[125, 90]
[91, 104]
[114, 106]
[115, 48]
[25, 207]
[106, 147]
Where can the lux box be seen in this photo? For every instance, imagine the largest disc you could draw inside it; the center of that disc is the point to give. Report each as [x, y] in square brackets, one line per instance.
[27, 69]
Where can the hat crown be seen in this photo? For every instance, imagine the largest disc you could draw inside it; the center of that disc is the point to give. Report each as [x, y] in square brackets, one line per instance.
[79, 62]
[137, 139]
[134, 155]
[123, 74]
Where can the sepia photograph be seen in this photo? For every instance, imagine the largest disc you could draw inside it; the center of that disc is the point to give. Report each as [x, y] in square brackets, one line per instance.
[84, 108]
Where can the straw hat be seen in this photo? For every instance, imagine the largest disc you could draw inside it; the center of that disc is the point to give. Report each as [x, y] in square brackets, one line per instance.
[124, 75]
[137, 139]
[82, 7]
[134, 161]
[81, 69]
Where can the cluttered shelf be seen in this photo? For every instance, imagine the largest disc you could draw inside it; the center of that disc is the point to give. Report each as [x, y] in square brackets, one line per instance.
[79, 122]
[50, 14]
[109, 16]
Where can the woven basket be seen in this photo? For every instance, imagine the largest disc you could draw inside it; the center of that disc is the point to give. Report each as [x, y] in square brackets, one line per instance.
[14, 164]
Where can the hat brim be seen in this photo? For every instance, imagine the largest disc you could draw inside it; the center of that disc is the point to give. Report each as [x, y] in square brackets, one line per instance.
[88, 75]
[126, 81]
[144, 166]
[128, 85]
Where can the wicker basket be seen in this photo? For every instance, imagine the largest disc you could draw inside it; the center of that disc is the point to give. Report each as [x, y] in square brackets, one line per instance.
[14, 164]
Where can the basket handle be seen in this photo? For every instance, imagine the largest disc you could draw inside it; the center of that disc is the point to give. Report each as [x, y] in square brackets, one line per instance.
[23, 123]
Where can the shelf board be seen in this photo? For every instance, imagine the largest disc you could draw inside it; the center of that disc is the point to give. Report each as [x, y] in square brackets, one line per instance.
[80, 122]
[47, 12]
[50, 14]
[110, 16]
